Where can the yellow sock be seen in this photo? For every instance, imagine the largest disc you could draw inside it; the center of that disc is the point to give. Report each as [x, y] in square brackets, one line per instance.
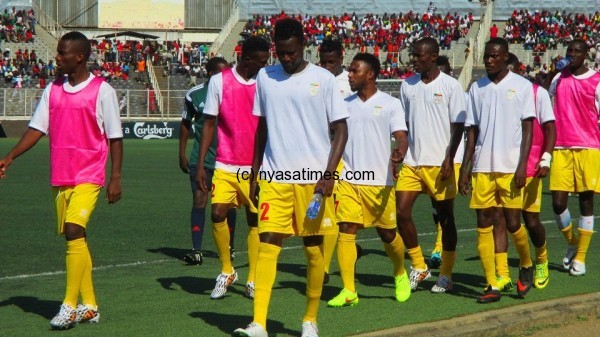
[416, 256]
[395, 250]
[485, 246]
[521, 241]
[221, 235]
[329, 242]
[585, 236]
[448, 259]
[541, 254]
[347, 259]
[253, 244]
[87, 287]
[77, 258]
[266, 269]
[438, 239]
[314, 281]
[501, 260]
[571, 238]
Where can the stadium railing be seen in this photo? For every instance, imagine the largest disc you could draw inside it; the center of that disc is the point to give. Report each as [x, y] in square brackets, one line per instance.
[49, 24]
[224, 33]
[467, 71]
[154, 82]
[19, 104]
[484, 31]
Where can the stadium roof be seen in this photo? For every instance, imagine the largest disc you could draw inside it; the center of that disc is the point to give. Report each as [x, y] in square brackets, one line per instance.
[128, 33]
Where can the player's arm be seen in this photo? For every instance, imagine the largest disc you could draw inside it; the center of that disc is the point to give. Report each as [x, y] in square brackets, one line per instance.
[550, 77]
[184, 132]
[466, 166]
[340, 137]
[208, 132]
[399, 151]
[526, 138]
[543, 168]
[113, 191]
[211, 111]
[27, 141]
[260, 142]
[457, 131]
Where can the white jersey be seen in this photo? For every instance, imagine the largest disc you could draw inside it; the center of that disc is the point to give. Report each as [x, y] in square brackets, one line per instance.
[298, 109]
[497, 110]
[429, 110]
[107, 109]
[543, 106]
[344, 84]
[368, 148]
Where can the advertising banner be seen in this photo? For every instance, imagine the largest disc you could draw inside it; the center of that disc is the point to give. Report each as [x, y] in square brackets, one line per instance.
[141, 14]
[151, 130]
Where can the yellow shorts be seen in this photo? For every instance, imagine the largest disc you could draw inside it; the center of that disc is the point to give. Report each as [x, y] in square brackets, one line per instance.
[532, 195]
[427, 179]
[575, 170]
[368, 206]
[227, 189]
[75, 204]
[282, 209]
[495, 189]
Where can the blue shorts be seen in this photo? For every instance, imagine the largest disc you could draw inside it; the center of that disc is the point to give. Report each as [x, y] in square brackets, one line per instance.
[193, 169]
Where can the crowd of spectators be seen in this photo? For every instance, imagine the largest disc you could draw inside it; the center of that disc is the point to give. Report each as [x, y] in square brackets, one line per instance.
[24, 69]
[543, 30]
[383, 35]
[371, 30]
[17, 25]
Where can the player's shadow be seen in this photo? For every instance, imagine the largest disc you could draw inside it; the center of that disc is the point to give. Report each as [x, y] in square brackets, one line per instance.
[198, 285]
[227, 322]
[472, 258]
[556, 267]
[466, 285]
[380, 252]
[292, 268]
[178, 253]
[44, 308]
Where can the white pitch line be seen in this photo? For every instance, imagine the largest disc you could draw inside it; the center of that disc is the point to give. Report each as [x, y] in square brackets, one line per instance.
[59, 272]
[142, 263]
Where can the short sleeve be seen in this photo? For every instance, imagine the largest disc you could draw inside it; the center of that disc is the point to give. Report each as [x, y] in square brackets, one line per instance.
[544, 106]
[109, 105]
[336, 108]
[457, 105]
[471, 108]
[528, 103]
[41, 117]
[258, 109]
[397, 121]
[214, 95]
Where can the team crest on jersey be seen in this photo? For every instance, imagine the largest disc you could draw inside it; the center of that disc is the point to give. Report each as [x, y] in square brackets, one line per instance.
[313, 88]
[377, 110]
[437, 97]
[327, 222]
[510, 94]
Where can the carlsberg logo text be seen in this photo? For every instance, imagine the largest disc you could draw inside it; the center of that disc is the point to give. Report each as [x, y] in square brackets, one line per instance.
[152, 131]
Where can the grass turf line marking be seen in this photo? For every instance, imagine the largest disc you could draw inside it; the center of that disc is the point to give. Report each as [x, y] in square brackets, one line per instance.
[142, 263]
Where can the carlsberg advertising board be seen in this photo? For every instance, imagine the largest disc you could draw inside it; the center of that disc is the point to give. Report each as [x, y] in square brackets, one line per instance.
[151, 130]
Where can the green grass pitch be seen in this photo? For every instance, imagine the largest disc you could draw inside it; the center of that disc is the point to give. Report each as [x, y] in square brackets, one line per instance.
[143, 288]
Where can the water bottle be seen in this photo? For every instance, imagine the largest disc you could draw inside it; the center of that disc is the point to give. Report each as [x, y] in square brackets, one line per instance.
[314, 206]
[563, 63]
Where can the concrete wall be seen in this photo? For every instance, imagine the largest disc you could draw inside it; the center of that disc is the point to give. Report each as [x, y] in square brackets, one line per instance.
[14, 129]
